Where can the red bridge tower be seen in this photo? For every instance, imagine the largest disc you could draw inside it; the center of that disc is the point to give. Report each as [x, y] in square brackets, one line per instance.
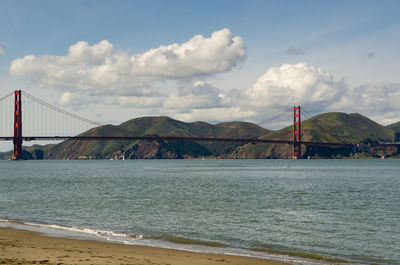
[17, 150]
[296, 133]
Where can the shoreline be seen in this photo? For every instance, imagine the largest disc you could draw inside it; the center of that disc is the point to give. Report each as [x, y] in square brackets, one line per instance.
[167, 242]
[27, 247]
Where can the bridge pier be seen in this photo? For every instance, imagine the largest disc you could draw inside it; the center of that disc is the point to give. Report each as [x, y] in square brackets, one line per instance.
[17, 141]
[296, 133]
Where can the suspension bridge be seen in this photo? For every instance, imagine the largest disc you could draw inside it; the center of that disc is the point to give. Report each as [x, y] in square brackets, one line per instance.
[45, 122]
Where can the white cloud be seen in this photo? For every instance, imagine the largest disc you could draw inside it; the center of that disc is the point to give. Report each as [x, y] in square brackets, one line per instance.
[217, 114]
[104, 69]
[78, 99]
[300, 84]
[68, 98]
[2, 51]
[198, 95]
[185, 98]
[377, 100]
[275, 91]
[198, 56]
[140, 102]
[292, 84]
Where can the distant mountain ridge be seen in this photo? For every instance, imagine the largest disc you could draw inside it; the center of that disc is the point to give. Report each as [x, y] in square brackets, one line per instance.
[327, 127]
[160, 126]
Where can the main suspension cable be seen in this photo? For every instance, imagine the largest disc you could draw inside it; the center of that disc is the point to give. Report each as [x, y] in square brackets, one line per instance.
[61, 110]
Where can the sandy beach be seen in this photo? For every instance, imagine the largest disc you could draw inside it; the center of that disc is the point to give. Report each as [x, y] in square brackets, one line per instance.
[25, 247]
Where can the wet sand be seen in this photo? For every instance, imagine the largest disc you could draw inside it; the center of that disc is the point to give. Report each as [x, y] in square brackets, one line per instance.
[25, 247]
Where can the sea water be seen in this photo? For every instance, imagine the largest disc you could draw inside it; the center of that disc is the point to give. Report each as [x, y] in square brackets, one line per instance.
[298, 211]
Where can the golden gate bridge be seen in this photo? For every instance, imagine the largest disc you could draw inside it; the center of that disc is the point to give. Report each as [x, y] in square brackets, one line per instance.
[51, 123]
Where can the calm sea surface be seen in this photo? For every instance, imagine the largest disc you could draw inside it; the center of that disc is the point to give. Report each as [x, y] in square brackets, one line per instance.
[283, 209]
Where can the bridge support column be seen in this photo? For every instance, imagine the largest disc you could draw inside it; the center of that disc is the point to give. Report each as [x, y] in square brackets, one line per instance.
[296, 133]
[17, 150]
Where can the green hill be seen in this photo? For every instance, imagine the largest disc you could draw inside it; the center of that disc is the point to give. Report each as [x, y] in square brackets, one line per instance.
[160, 126]
[333, 127]
[342, 127]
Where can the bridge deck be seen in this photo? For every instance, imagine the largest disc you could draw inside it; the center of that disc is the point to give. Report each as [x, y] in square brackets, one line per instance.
[170, 138]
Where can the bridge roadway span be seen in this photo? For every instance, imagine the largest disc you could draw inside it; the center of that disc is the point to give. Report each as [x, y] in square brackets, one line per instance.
[171, 138]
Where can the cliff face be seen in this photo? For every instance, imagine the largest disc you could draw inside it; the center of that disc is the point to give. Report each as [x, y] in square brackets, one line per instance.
[149, 150]
[328, 127]
[161, 150]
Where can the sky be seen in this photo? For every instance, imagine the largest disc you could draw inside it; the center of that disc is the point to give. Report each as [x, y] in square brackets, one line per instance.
[111, 61]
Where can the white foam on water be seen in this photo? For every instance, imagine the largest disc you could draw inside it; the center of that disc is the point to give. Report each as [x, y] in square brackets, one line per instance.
[100, 233]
